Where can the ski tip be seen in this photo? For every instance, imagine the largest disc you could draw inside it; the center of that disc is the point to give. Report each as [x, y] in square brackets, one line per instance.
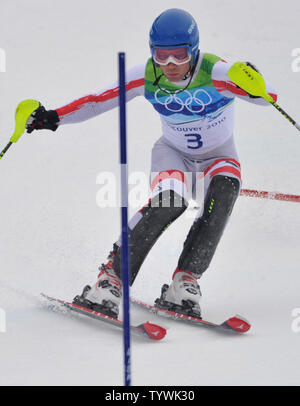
[238, 324]
[154, 331]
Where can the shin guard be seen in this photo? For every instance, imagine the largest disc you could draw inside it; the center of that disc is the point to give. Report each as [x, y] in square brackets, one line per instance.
[205, 234]
[155, 217]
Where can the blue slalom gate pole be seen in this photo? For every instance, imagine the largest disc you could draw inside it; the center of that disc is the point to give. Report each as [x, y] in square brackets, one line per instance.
[124, 220]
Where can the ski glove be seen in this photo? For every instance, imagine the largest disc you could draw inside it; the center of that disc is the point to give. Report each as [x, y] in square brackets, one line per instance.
[42, 119]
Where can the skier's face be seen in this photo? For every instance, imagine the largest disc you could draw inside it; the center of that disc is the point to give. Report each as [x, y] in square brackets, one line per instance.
[175, 73]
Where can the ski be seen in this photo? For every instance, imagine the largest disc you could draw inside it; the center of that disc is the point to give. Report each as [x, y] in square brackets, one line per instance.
[236, 324]
[147, 329]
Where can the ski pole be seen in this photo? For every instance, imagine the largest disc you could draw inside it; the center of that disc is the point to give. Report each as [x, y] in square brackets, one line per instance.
[262, 194]
[124, 221]
[253, 83]
[23, 112]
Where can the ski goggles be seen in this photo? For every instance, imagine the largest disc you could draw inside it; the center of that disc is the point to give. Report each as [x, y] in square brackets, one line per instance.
[179, 55]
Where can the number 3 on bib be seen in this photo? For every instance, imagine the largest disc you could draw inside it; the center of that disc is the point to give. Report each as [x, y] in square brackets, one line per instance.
[194, 141]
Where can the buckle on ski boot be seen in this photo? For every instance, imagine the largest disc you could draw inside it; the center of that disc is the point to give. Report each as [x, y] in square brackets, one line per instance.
[188, 307]
[107, 307]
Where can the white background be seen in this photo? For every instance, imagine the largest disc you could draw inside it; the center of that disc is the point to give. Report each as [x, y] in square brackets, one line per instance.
[54, 236]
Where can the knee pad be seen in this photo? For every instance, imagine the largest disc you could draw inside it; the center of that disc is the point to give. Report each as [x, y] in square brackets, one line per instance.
[222, 191]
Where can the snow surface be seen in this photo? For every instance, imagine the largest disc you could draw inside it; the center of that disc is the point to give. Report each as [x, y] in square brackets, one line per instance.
[53, 234]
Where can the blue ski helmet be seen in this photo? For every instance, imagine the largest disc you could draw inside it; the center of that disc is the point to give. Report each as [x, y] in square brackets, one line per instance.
[175, 27]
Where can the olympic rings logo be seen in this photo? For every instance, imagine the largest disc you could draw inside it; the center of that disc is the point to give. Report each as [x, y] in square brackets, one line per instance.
[191, 103]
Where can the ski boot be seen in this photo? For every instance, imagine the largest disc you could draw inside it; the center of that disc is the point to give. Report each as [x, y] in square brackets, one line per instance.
[182, 296]
[105, 296]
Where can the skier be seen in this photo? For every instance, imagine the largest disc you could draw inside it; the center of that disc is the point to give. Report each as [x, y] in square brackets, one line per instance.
[194, 97]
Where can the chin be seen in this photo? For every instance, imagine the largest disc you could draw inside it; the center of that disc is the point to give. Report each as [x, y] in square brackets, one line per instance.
[174, 78]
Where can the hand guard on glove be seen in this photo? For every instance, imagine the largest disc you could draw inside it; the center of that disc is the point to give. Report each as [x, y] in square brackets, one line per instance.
[42, 119]
[256, 70]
